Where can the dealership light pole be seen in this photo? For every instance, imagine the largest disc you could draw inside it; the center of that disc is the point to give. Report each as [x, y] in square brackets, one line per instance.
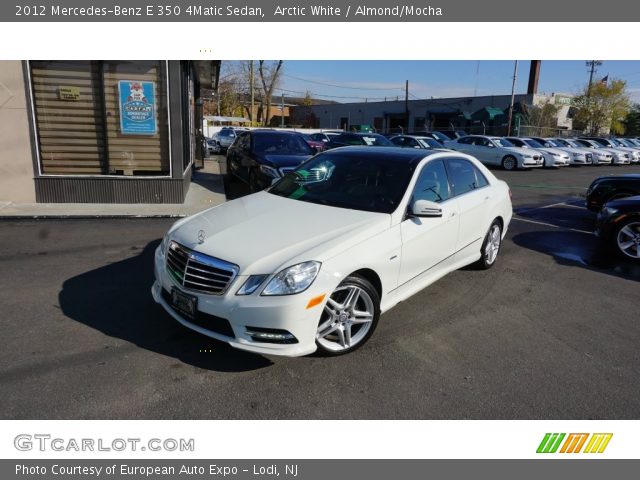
[406, 106]
[513, 93]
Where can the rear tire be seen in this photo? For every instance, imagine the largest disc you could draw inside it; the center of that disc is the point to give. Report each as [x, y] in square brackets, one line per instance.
[490, 247]
[509, 163]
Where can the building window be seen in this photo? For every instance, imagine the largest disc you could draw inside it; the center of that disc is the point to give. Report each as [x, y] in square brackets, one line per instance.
[101, 117]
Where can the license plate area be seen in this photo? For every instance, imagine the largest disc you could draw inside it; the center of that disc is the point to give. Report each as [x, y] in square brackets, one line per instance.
[184, 303]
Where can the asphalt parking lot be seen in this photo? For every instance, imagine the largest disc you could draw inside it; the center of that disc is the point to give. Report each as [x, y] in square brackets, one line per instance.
[551, 332]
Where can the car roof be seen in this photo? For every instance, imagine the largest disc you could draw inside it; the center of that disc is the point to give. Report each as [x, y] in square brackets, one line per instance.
[263, 131]
[410, 156]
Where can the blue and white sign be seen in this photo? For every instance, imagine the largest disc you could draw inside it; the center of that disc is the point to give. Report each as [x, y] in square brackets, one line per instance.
[137, 107]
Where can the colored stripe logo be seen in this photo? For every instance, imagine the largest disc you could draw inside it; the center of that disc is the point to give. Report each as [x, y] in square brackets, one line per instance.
[574, 443]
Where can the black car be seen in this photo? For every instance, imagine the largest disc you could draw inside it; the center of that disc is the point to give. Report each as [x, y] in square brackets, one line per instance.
[260, 156]
[613, 187]
[619, 224]
[359, 139]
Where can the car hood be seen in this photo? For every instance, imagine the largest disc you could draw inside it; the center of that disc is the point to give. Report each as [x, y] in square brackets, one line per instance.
[519, 150]
[279, 160]
[262, 233]
[557, 151]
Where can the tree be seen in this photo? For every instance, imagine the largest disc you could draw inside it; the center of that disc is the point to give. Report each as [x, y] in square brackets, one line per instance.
[602, 108]
[269, 74]
[544, 117]
[632, 122]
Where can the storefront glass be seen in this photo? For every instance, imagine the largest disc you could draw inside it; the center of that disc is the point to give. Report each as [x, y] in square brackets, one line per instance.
[101, 117]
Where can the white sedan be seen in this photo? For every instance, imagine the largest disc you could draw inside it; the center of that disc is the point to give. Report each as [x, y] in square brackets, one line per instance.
[553, 157]
[312, 262]
[497, 151]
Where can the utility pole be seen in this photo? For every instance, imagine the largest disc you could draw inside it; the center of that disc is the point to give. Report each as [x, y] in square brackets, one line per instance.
[406, 105]
[513, 93]
[592, 64]
[282, 112]
[251, 90]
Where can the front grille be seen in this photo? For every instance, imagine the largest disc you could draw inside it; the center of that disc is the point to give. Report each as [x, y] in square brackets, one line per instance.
[196, 271]
[208, 322]
[589, 157]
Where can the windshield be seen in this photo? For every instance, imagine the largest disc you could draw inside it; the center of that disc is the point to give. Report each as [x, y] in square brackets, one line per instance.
[533, 143]
[502, 142]
[634, 142]
[372, 184]
[440, 136]
[430, 142]
[553, 143]
[603, 142]
[281, 144]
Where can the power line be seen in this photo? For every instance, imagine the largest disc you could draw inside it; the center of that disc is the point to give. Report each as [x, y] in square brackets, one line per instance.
[341, 86]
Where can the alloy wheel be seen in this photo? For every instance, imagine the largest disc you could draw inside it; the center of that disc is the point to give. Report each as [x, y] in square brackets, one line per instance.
[347, 318]
[493, 244]
[628, 240]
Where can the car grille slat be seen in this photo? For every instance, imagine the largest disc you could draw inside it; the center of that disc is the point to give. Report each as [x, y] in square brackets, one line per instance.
[199, 272]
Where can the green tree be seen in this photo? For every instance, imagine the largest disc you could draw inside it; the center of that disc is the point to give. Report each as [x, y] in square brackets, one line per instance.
[543, 117]
[602, 108]
[632, 121]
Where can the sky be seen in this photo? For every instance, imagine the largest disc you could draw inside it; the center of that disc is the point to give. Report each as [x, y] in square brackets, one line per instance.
[354, 81]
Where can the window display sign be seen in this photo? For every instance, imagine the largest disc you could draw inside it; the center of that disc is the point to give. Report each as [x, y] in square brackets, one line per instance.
[137, 107]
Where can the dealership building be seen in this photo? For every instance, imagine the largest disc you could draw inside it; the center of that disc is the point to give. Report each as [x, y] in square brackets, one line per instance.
[101, 131]
[479, 114]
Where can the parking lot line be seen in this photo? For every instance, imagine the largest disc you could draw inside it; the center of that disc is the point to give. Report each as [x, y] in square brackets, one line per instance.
[563, 204]
[516, 217]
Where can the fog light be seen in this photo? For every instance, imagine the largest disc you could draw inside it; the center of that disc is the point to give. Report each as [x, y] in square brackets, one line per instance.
[271, 335]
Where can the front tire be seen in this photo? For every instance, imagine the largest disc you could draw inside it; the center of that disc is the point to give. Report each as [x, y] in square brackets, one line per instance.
[509, 163]
[490, 247]
[349, 318]
[626, 240]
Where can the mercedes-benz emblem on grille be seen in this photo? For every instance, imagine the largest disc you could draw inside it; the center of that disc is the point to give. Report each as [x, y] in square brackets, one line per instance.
[201, 236]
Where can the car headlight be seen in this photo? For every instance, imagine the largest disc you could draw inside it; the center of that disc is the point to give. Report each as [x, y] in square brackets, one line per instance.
[524, 155]
[555, 154]
[269, 171]
[294, 279]
[608, 211]
[579, 155]
[164, 243]
[251, 284]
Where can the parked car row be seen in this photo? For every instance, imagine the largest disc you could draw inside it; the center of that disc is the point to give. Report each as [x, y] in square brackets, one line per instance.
[531, 152]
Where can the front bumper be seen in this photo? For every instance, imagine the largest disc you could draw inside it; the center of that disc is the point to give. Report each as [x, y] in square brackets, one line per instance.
[287, 313]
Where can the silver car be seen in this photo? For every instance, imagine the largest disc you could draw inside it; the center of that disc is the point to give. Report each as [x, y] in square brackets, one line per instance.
[553, 157]
[598, 156]
[497, 151]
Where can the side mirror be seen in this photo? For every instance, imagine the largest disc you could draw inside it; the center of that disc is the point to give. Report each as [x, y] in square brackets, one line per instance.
[426, 208]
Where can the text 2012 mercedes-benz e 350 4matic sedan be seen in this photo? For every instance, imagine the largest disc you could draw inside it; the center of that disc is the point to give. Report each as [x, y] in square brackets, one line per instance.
[312, 262]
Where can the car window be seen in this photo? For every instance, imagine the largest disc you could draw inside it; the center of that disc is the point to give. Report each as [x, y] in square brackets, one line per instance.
[432, 183]
[466, 140]
[398, 141]
[482, 142]
[243, 141]
[464, 176]
[281, 143]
